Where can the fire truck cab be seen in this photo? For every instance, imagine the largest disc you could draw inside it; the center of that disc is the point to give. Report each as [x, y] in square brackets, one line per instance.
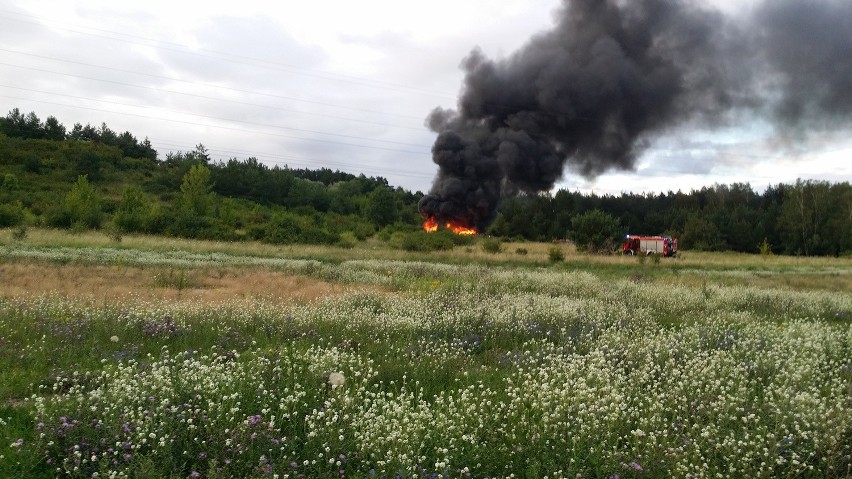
[647, 245]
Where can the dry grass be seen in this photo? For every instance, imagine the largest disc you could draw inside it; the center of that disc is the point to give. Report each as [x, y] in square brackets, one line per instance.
[98, 283]
[824, 273]
[374, 248]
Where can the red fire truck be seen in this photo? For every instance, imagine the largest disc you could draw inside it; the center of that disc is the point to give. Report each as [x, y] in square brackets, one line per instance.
[647, 245]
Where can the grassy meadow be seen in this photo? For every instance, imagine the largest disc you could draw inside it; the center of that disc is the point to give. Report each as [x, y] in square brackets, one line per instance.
[163, 358]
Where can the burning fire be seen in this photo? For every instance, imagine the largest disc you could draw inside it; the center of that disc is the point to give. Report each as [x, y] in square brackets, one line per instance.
[431, 225]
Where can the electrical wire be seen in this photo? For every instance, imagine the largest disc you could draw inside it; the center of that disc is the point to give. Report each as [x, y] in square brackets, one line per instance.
[215, 126]
[240, 59]
[221, 119]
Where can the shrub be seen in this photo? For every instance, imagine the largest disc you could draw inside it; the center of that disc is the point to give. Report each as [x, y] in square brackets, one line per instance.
[555, 254]
[387, 233]
[422, 241]
[440, 241]
[11, 214]
[82, 204]
[765, 248]
[132, 211]
[114, 233]
[458, 240]
[595, 231]
[289, 228]
[347, 240]
[492, 245]
[19, 233]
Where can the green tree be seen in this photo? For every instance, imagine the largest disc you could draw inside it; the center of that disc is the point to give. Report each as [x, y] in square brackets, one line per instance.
[197, 191]
[23, 126]
[11, 214]
[381, 207]
[308, 193]
[806, 218]
[9, 187]
[53, 130]
[133, 211]
[699, 233]
[83, 205]
[595, 231]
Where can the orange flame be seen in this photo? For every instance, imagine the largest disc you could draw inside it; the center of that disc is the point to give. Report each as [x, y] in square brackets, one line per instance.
[431, 225]
[461, 229]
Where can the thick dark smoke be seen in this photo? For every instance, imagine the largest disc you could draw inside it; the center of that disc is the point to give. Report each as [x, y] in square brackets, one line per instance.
[613, 74]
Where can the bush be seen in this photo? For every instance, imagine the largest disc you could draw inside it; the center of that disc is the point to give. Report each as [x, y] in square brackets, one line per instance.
[422, 241]
[492, 245]
[595, 231]
[363, 231]
[441, 240]
[347, 240]
[11, 214]
[82, 204]
[132, 212]
[289, 228]
[114, 233]
[765, 248]
[387, 233]
[458, 240]
[20, 233]
[555, 254]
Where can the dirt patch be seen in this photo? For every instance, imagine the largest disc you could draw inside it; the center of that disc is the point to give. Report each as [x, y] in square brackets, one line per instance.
[213, 285]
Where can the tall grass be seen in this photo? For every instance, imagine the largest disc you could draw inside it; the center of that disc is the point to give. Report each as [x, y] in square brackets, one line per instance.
[462, 371]
[537, 253]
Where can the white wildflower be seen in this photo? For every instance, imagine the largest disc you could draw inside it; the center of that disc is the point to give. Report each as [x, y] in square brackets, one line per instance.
[336, 379]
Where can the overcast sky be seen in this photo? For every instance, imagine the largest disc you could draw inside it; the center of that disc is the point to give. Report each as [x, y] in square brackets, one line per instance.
[331, 83]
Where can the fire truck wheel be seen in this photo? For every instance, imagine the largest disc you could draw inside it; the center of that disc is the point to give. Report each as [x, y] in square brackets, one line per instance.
[629, 252]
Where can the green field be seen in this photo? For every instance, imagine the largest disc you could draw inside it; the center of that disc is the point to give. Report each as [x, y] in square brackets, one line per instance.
[154, 357]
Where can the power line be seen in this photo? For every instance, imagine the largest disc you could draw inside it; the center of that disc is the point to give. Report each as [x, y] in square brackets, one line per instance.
[222, 119]
[216, 126]
[268, 95]
[257, 105]
[240, 58]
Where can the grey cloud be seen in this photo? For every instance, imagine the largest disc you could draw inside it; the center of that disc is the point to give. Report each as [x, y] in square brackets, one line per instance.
[611, 75]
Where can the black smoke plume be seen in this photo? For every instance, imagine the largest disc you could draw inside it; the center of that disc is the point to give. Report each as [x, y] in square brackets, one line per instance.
[614, 74]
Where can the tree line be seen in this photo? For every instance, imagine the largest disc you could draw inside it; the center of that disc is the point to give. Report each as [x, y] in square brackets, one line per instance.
[93, 177]
[808, 217]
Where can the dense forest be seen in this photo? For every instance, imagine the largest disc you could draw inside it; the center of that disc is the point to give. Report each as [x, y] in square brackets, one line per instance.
[93, 177]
